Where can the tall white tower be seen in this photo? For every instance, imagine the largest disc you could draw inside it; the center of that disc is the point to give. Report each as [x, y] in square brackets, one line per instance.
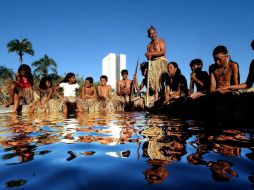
[112, 65]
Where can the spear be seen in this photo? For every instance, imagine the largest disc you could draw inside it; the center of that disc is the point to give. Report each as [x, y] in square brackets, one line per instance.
[132, 86]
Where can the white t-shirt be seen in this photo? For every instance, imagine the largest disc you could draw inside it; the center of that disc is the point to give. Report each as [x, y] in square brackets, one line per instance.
[69, 89]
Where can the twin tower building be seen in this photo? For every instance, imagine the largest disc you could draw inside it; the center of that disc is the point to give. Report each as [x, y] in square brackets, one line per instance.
[112, 65]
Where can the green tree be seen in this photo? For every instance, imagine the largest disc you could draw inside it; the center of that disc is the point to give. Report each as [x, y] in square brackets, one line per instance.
[20, 47]
[43, 66]
[6, 73]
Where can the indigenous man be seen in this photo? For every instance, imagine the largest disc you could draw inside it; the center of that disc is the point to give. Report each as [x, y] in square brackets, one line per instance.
[250, 79]
[156, 53]
[124, 85]
[224, 72]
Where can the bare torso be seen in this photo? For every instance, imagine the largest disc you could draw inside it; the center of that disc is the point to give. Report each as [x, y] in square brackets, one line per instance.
[224, 74]
[154, 46]
[88, 92]
[104, 91]
[124, 87]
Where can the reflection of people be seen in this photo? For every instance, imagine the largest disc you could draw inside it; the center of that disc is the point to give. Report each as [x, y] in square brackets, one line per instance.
[158, 172]
[176, 84]
[221, 170]
[198, 78]
[88, 91]
[156, 52]
[224, 72]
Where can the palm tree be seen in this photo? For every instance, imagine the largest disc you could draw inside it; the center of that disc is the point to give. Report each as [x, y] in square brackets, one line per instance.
[6, 73]
[20, 47]
[43, 65]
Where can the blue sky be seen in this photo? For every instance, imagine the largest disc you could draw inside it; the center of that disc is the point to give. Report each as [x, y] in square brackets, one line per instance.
[77, 34]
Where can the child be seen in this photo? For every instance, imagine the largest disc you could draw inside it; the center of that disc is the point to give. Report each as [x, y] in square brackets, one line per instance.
[88, 91]
[104, 90]
[45, 90]
[14, 85]
[22, 88]
[198, 78]
[70, 87]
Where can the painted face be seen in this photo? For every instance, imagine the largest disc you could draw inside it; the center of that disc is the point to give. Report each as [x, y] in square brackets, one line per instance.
[87, 84]
[103, 81]
[172, 69]
[152, 34]
[221, 59]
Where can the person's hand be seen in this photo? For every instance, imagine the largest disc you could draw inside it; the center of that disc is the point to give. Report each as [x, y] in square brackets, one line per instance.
[193, 77]
[135, 77]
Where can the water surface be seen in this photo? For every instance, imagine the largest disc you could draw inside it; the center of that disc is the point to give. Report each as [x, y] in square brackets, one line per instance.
[123, 151]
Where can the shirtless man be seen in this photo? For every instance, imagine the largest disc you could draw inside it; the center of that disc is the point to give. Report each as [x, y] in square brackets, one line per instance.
[104, 90]
[224, 72]
[157, 47]
[250, 79]
[156, 53]
[88, 91]
[124, 85]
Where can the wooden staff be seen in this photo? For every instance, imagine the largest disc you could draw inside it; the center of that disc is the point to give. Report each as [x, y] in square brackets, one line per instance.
[147, 83]
[132, 86]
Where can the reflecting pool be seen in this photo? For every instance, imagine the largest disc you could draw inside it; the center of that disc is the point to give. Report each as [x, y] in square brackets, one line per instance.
[123, 151]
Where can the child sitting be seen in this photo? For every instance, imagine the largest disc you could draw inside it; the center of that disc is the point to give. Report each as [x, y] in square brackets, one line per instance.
[104, 90]
[70, 86]
[45, 90]
[21, 90]
[88, 91]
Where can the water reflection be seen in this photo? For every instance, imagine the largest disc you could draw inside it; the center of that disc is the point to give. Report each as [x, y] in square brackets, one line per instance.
[156, 145]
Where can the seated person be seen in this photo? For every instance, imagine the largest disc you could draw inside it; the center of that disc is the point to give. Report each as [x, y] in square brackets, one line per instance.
[224, 72]
[198, 78]
[104, 90]
[24, 72]
[143, 68]
[124, 85]
[176, 84]
[88, 91]
[45, 90]
[70, 87]
[250, 79]
[22, 87]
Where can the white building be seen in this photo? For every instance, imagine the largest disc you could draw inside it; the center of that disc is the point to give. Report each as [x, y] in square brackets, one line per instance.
[112, 65]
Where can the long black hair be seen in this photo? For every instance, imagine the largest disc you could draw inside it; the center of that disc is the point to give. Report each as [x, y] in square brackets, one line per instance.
[178, 71]
[67, 77]
[43, 81]
[25, 70]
